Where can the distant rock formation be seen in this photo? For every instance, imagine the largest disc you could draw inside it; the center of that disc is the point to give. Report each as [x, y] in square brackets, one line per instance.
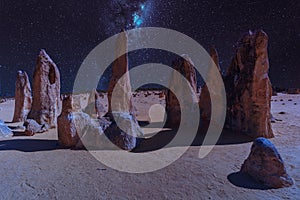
[46, 92]
[23, 98]
[293, 91]
[185, 66]
[266, 166]
[204, 100]
[248, 87]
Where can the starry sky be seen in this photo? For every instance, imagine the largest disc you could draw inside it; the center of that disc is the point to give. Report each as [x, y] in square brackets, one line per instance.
[68, 30]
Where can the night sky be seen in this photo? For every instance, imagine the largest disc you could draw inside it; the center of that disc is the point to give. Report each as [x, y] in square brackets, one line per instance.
[69, 30]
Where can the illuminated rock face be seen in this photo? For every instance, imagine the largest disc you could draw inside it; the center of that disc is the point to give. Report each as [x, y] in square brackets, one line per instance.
[204, 101]
[266, 166]
[185, 67]
[46, 92]
[248, 87]
[71, 124]
[23, 98]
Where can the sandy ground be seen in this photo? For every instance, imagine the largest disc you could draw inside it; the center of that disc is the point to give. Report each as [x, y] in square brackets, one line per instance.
[35, 168]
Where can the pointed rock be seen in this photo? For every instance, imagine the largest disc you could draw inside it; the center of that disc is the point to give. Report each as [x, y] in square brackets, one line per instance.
[248, 87]
[205, 101]
[122, 94]
[23, 98]
[46, 92]
[185, 66]
[121, 111]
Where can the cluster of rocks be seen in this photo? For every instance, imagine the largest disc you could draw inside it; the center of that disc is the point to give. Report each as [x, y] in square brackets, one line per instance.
[45, 108]
[119, 125]
[249, 94]
[247, 85]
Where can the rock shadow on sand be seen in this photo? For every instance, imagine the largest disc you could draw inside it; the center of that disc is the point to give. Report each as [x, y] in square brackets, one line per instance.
[163, 138]
[243, 180]
[29, 145]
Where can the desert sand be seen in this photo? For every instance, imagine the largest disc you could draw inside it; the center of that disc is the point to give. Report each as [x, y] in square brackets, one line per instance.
[36, 168]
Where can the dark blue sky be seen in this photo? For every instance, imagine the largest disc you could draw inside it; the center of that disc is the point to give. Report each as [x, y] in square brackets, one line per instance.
[69, 30]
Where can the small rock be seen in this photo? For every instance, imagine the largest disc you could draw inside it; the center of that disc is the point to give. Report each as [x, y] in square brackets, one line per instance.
[32, 127]
[266, 166]
[4, 130]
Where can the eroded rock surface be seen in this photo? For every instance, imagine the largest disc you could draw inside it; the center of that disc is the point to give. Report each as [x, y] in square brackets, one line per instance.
[248, 87]
[71, 124]
[46, 92]
[266, 166]
[23, 98]
[122, 93]
[204, 100]
[188, 96]
[77, 129]
[120, 110]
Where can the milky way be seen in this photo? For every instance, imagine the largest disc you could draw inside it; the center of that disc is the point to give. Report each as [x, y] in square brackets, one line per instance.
[124, 14]
[69, 30]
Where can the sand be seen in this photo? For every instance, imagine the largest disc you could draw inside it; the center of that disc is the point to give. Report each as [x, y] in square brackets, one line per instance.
[36, 168]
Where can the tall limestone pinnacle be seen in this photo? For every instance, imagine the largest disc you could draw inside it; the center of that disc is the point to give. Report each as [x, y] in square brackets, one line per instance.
[23, 98]
[205, 101]
[120, 109]
[122, 93]
[46, 91]
[249, 88]
[185, 67]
